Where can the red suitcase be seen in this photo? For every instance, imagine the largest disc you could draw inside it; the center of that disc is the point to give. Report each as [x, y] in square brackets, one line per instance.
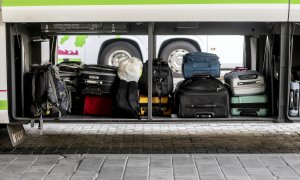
[98, 105]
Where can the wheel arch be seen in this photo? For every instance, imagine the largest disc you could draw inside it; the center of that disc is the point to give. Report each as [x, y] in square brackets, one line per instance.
[110, 41]
[169, 41]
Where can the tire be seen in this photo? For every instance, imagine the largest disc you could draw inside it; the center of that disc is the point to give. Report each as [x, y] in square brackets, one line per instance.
[173, 48]
[119, 50]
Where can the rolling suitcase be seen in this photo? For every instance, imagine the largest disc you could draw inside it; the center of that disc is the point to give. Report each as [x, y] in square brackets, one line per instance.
[245, 82]
[98, 80]
[202, 96]
[69, 72]
[98, 105]
[256, 105]
[160, 106]
[294, 99]
[200, 63]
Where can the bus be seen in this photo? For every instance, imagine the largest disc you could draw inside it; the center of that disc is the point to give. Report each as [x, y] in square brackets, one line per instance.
[32, 30]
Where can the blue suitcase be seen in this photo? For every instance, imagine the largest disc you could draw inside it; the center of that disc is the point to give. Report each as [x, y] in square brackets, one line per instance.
[200, 63]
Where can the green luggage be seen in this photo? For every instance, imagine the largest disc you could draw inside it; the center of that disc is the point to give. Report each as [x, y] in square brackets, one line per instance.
[256, 105]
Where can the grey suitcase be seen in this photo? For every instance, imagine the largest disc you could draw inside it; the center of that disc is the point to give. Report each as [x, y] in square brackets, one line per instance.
[246, 82]
[294, 99]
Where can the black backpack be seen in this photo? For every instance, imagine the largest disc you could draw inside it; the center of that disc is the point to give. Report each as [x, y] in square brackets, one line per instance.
[127, 100]
[162, 79]
[50, 97]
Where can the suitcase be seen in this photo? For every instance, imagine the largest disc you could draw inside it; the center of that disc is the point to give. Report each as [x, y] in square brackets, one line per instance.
[160, 106]
[200, 63]
[98, 105]
[69, 72]
[98, 80]
[202, 97]
[294, 99]
[256, 105]
[245, 82]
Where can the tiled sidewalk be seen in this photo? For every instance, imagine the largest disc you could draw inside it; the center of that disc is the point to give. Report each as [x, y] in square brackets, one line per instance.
[159, 138]
[150, 167]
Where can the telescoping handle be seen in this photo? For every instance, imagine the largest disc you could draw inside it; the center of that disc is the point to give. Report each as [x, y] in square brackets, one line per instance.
[202, 76]
[240, 69]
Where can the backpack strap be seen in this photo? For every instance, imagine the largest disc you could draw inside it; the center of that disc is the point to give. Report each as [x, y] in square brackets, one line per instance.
[33, 86]
[51, 81]
[133, 98]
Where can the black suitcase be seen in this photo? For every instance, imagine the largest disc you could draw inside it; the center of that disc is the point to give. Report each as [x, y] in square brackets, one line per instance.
[69, 73]
[202, 96]
[98, 80]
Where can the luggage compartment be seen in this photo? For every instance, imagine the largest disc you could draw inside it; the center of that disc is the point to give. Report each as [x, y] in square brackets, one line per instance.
[91, 83]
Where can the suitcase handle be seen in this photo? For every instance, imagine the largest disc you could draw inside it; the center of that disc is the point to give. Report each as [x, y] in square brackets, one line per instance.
[203, 106]
[240, 69]
[248, 83]
[203, 76]
[204, 115]
[248, 113]
[248, 76]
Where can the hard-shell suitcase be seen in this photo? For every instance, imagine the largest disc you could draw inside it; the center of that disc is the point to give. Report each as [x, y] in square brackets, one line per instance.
[245, 82]
[98, 105]
[202, 97]
[98, 80]
[256, 105]
[200, 63]
[294, 99]
[160, 106]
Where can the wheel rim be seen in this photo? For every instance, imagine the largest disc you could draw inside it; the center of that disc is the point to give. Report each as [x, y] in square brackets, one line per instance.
[175, 60]
[117, 56]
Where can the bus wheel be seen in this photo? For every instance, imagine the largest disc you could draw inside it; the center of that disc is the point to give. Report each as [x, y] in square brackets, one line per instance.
[173, 53]
[117, 51]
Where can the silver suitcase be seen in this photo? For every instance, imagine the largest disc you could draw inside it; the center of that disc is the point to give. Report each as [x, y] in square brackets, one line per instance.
[247, 82]
[294, 99]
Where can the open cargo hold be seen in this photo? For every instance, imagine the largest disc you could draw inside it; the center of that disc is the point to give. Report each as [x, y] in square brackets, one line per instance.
[26, 38]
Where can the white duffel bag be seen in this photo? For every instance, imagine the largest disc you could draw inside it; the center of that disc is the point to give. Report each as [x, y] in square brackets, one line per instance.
[130, 69]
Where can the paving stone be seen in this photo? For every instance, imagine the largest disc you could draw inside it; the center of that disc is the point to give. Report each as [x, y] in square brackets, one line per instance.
[161, 163]
[136, 170]
[39, 168]
[133, 161]
[283, 171]
[234, 172]
[183, 171]
[228, 162]
[161, 177]
[33, 176]
[183, 161]
[59, 176]
[209, 169]
[111, 172]
[212, 177]
[90, 164]
[258, 170]
[273, 161]
[262, 177]
[251, 162]
[138, 177]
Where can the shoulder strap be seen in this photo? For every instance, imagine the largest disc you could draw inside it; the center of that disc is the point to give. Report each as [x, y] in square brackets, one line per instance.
[133, 98]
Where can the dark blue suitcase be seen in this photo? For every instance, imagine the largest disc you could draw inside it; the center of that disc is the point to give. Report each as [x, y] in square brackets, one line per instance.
[200, 63]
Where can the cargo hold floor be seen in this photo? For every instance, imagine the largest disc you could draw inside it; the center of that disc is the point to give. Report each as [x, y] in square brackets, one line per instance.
[83, 119]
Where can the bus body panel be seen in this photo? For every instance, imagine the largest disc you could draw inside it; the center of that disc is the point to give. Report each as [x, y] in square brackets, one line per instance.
[4, 119]
[148, 11]
[295, 11]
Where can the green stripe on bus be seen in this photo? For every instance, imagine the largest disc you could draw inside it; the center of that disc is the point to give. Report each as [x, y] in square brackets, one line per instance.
[3, 105]
[136, 2]
[69, 60]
